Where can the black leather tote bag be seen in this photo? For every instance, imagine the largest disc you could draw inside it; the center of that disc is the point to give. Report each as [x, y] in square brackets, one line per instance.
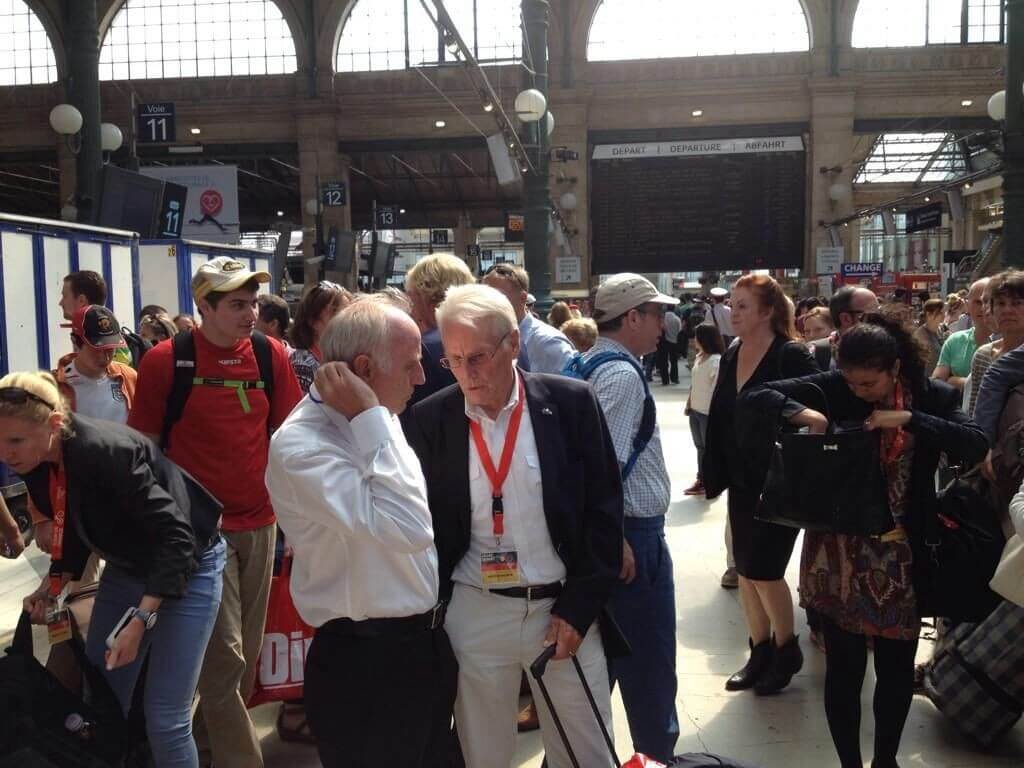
[832, 482]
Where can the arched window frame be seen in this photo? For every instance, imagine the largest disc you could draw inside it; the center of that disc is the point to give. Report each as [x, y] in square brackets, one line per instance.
[53, 61]
[803, 48]
[285, 46]
[473, 11]
[975, 27]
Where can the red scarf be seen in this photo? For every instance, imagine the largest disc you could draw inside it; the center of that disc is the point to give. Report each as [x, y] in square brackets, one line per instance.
[894, 440]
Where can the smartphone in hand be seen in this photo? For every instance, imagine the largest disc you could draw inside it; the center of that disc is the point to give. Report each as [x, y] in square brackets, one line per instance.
[121, 624]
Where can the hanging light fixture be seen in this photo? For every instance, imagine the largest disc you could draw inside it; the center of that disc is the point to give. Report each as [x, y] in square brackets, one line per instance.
[530, 105]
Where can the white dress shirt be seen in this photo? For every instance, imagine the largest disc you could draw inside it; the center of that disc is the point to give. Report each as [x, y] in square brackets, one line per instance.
[720, 316]
[526, 528]
[546, 348]
[352, 502]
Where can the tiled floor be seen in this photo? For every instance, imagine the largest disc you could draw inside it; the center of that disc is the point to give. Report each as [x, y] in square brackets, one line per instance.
[788, 731]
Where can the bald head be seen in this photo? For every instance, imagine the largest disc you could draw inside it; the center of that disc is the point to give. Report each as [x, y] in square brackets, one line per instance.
[976, 303]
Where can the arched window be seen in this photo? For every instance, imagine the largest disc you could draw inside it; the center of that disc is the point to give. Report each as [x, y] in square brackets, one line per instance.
[26, 56]
[663, 29]
[151, 39]
[398, 34]
[904, 23]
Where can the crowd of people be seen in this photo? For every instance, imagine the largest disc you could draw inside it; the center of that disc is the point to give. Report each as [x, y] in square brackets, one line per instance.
[462, 485]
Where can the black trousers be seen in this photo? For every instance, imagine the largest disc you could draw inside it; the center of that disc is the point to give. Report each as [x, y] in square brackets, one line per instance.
[845, 664]
[374, 701]
[668, 362]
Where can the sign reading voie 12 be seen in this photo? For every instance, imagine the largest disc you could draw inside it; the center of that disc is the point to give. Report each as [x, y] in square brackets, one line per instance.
[862, 269]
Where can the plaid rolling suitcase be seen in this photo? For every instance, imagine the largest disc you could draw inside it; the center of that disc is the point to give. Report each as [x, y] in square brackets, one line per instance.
[977, 681]
[690, 760]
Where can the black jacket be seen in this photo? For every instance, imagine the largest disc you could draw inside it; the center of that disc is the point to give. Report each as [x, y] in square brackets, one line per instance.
[937, 424]
[726, 461]
[580, 481]
[130, 505]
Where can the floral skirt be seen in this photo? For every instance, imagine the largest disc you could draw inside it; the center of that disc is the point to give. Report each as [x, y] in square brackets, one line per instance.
[861, 583]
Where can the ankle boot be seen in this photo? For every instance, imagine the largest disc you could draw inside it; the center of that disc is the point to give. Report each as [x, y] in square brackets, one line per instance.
[786, 662]
[756, 666]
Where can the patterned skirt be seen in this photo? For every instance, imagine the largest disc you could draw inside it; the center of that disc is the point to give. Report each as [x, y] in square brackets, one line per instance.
[861, 583]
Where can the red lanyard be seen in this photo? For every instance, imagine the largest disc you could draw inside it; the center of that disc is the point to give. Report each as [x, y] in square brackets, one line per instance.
[497, 476]
[893, 441]
[59, 504]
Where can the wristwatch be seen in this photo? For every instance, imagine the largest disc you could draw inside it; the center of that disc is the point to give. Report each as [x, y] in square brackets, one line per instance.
[148, 618]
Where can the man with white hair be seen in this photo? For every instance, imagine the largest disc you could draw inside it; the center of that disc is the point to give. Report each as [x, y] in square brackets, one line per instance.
[524, 489]
[350, 496]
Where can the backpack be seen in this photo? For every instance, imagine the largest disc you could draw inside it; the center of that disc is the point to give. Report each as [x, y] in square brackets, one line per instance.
[580, 368]
[694, 317]
[137, 346]
[184, 352]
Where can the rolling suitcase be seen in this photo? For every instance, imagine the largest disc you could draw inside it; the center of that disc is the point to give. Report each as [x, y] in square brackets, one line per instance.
[977, 680]
[689, 760]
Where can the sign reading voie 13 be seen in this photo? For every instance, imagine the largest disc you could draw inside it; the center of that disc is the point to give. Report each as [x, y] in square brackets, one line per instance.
[155, 123]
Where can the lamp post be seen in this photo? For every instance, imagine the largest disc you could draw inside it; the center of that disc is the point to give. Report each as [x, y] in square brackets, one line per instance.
[1013, 159]
[83, 92]
[536, 191]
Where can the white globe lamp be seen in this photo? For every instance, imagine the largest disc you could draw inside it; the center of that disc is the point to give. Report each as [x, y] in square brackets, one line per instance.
[550, 123]
[568, 201]
[997, 106]
[110, 137]
[65, 120]
[531, 105]
[312, 207]
[839, 192]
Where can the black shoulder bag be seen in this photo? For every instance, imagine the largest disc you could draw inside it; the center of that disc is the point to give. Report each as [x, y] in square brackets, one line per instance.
[831, 482]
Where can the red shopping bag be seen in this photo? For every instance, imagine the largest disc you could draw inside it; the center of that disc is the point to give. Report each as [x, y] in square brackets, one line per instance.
[286, 640]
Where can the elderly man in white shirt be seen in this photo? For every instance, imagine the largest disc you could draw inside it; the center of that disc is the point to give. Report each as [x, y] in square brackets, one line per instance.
[542, 348]
[350, 496]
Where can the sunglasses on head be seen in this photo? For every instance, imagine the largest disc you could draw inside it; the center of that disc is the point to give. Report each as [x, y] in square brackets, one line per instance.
[19, 396]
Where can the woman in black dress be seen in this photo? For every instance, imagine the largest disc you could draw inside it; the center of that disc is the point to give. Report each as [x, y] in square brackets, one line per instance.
[766, 350]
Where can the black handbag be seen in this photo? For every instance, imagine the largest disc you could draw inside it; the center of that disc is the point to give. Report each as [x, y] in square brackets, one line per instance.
[832, 482]
[963, 542]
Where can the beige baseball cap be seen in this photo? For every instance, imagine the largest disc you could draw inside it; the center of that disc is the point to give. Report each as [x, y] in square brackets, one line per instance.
[223, 275]
[625, 291]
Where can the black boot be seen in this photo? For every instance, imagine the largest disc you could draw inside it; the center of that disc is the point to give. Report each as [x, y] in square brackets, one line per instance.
[754, 669]
[786, 662]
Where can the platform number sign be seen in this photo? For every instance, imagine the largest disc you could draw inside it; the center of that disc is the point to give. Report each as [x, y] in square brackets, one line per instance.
[155, 123]
[332, 195]
[387, 217]
[172, 210]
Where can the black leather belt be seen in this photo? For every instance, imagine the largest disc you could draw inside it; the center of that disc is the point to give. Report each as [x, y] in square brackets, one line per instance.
[403, 625]
[540, 592]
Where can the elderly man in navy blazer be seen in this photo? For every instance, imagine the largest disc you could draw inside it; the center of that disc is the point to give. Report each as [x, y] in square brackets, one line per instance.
[524, 490]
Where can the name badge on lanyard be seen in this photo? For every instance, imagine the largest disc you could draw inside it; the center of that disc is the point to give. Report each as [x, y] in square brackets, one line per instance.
[58, 618]
[499, 565]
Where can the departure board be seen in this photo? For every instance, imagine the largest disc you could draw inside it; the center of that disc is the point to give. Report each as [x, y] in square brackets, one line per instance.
[694, 206]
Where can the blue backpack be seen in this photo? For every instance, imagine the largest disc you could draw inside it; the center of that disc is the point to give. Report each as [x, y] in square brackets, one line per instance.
[580, 368]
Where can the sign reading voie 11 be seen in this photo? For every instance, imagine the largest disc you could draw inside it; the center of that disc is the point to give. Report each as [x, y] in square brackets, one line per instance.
[862, 269]
[698, 148]
[155, 123]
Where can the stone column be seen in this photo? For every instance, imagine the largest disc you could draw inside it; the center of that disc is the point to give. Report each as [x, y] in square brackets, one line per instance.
[571, 176]
[831, 145]
[319, 164]
[465, 236]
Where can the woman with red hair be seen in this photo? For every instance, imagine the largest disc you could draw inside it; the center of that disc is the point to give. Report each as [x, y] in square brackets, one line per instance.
[767, 349]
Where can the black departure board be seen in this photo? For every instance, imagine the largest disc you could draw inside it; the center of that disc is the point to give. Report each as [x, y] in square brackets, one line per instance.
[688, 214]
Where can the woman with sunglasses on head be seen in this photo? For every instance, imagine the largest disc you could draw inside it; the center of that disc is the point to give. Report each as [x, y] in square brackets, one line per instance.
[768, 349]
[317, 308]
[864, 586]
[110, 491]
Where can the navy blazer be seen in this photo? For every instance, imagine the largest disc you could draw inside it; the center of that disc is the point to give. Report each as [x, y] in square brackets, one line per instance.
[580, 481]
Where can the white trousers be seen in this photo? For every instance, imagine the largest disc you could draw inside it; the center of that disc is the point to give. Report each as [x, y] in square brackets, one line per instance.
[495, 638]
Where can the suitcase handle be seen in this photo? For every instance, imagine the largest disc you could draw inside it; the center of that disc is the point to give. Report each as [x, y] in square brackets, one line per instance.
[537, 669]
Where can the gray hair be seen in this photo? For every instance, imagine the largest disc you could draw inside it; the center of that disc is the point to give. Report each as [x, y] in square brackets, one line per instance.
[475, 304]
[362, 328]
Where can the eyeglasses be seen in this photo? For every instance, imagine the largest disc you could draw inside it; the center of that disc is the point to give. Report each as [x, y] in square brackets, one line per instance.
[473, 361]
[19, 396]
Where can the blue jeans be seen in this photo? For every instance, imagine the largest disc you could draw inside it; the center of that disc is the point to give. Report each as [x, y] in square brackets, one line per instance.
[646, 612]
[176, 646]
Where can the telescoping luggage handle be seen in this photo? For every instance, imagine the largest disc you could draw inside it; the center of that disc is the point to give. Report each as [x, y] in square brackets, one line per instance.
[537, 670]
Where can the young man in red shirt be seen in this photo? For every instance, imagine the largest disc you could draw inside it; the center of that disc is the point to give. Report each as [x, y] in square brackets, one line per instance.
[222, 438]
